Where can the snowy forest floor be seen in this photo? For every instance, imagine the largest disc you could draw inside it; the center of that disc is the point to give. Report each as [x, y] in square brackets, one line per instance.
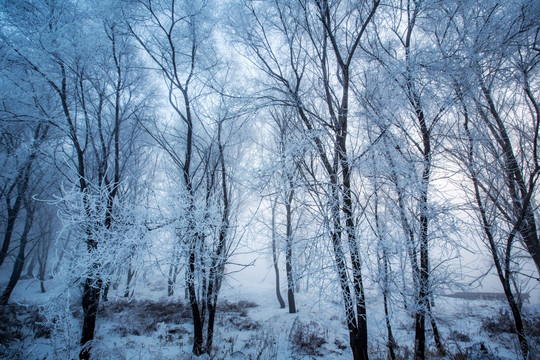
[250, 325]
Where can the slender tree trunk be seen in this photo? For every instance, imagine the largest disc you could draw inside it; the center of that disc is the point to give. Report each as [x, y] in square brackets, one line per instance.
[423, 291]
[502, 267]
[436, 334]
[391, 342]
[31, 265]
[173, 271]
[288, 253]
[275, 257]
[170, 282]
[43, 269]
[218, 261]
[13, 213]
[130, 275]
[19, 261]
[517, 187]
[197, 323]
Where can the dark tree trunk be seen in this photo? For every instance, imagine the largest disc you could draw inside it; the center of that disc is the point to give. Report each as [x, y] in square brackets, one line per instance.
[198, 348]
[130, 275]
[518, 321]
[423, 291]
[275, 258]
[22, 183]
[520, 193]
[211, 323]
[502, 265]
[436, 334]
[19, 261]
[391, 342]
[218, 261]
[90, 303]
[170, 282]
[288, 253]
[13, 213]
[383, 260]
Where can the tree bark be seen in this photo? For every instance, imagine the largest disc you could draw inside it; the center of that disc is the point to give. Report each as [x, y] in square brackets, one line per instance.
[198, 348]
[288, 252]
[520, 192]
[19, 261]
[275, 257]
[501, 265]
[130, 275]
[90, 303]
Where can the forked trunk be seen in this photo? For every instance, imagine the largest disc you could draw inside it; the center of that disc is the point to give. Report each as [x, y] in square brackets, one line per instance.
[19, 263]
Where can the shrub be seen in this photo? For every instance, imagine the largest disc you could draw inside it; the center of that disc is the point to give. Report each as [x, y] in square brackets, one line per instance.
[307, 338]
[143, 317]
[264, 345]
[532, 325]
[243, 323]
[10, 324]
[240, 307]
[479, 351]
[500, 323]
[458, 336]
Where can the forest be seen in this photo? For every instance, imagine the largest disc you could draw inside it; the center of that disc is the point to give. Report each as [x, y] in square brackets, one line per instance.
[269, 179]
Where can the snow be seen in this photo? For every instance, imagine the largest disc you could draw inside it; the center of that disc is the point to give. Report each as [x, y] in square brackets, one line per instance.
[266, 330]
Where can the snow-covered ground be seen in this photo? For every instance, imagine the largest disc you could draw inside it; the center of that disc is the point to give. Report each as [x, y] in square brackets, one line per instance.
[250, 324]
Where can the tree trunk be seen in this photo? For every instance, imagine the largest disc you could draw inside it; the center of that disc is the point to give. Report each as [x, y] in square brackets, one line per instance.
[130, 275]
[275, 258]
[503, 273]
[197, 323]
[42, 272]
[170, 283]
[31, 265]
[12, 216]
[90, 303]
[288, 254]
[211, 320]
[436, 334]
[173, 272]
[19, 261]
[517, 187]
[391, 342]
[423, 291]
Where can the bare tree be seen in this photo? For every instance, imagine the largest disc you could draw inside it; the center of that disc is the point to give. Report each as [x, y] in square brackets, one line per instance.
[176, 35]
[94, 89]
[320, 36]
[499, 117]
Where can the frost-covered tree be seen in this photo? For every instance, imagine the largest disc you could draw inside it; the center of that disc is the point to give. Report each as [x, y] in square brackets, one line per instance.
[84, 62]
[494, 71]
[308, 54]
[177, 36]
